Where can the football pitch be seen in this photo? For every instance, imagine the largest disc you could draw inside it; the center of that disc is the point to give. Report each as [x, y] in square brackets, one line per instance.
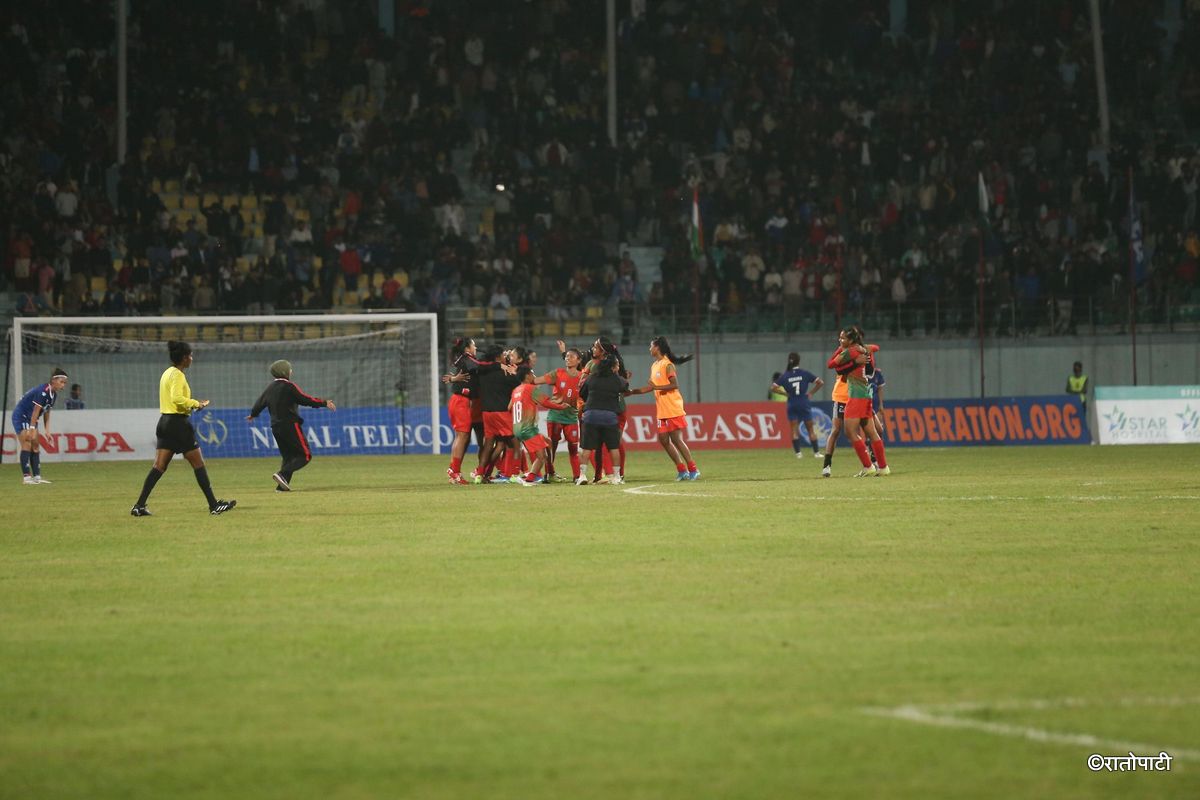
[975, 625]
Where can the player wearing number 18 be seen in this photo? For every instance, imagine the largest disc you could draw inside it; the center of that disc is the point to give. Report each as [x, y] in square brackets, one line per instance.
[523, 405]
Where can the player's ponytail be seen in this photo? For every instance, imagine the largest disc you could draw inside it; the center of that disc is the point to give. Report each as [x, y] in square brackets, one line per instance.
[793, 360]
[178, 351]
[664, 347]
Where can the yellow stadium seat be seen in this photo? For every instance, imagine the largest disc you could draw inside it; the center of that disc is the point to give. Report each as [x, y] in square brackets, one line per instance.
[312, 331]
[156, 186]
[317, 262]
[551, 327]
[377, 280]
[230, 200]
[208, 333]
[118, 264]
[191, 202]
[270, 333]
[171, 187]
[243, 264]
[99, 285]
[475, 314]
[572, 327]
[231, 333]
[249, 201]
[591, 328]
[171, 201]
[595, 312]
[209, 199]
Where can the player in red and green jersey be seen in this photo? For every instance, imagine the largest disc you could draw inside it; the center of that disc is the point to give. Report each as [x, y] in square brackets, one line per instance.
[523, 405]
[860, 419]
[564, 423]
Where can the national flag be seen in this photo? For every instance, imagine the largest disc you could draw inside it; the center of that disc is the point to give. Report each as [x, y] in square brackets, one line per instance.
[984, 204]
[697, 232]
[1137, 259]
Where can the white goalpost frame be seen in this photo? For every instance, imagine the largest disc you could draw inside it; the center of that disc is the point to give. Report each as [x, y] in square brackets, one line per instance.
[21, 323]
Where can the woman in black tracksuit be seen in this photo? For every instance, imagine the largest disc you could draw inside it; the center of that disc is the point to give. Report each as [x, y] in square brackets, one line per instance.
[601, 393]
[281, 398]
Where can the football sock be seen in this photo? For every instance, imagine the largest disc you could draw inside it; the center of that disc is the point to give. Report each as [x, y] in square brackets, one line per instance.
[148, 486]
[621, 456]
[25, 462]
[796, 445]
[860, 447]
[35, 463]
[574, 456]
[880, 456]
[829, 459]
[206, 486]
[691, 465]
[681, 468]
[456, 465]
[814, 446]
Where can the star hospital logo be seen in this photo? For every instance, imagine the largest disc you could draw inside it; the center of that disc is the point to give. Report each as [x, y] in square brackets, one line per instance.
[1189, 419]
[1116, 419]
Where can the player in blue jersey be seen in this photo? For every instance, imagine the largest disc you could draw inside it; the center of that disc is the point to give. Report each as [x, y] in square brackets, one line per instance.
[798, 385]
[33, 410]
[877, 384]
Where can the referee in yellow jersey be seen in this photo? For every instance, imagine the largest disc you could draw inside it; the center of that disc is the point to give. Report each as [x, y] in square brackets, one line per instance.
[176, 434]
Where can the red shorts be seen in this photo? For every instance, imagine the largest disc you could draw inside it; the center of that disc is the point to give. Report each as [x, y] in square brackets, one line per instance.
[534, 444]
[476, 411]
[562, 430]
[460, 413]
[672, 424]
[497, 424]
[859, 408]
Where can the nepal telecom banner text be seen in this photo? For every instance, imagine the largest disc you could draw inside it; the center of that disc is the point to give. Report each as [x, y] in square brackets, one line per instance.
[1148, 414]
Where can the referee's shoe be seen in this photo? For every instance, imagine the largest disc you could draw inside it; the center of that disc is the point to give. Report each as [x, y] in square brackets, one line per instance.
[222, 506]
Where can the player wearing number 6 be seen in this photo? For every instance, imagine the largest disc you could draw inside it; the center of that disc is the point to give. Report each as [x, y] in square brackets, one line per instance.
[523, 406]
[799, 385]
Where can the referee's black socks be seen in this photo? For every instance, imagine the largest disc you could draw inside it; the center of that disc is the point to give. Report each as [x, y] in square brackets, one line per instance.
[147, 487]
[206, 487]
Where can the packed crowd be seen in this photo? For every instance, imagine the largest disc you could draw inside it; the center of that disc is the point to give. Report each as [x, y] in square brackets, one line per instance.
[305, 154]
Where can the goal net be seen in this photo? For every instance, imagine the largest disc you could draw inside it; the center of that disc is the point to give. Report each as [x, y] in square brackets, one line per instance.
[379, 369]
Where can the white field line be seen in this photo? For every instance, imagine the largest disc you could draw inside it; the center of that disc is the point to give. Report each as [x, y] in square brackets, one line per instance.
[645, 490]
[925, 716]
[970, 498]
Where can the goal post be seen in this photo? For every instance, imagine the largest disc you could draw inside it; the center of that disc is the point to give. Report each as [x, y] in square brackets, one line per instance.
[381, 371]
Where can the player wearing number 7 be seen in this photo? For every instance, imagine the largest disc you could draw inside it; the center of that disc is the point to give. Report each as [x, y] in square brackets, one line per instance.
[799, 385]
[523, 406]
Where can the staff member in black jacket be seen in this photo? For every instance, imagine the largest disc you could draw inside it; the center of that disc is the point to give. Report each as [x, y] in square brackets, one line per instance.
[601, 393]
[281, 398]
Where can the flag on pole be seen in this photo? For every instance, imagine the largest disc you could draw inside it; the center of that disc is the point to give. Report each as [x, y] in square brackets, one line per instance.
[984, 205]
[697, 232]
[1137, 260]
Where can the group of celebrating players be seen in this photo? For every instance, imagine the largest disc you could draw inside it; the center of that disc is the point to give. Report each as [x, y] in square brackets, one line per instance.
[496, 394]
[856, 401]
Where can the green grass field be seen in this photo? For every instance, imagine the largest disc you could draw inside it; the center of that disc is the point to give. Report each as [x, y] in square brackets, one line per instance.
[378, 633]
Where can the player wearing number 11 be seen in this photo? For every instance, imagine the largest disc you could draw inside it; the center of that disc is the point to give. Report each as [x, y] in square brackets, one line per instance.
[799, 385]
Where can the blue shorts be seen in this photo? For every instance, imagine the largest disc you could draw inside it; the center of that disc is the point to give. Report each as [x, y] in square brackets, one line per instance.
[22, 422]
[799, 412]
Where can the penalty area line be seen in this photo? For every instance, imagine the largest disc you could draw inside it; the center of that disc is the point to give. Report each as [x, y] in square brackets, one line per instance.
[922, 716]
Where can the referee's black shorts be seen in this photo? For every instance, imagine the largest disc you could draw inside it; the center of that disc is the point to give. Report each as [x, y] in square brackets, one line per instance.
[175, 433]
